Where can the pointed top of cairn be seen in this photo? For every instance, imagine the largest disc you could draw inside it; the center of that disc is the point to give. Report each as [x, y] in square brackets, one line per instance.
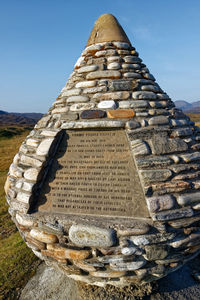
[107, 29]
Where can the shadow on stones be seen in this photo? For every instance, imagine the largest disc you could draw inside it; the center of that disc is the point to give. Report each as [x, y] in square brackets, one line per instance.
[48, 173]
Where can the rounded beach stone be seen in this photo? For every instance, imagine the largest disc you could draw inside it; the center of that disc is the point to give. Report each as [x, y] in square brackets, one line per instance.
[31, 174]
[114, 66]
[83, 235]
[107, 104]
[44, 147]
[24, 221]
[43, 236]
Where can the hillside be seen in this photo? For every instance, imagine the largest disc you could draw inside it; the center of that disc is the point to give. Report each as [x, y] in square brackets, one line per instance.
[18, 118]
[193, 107]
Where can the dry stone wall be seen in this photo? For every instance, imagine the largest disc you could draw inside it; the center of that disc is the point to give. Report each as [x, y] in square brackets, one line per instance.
[111, 87]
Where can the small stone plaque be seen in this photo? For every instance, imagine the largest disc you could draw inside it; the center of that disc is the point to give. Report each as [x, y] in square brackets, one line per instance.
[93, 173]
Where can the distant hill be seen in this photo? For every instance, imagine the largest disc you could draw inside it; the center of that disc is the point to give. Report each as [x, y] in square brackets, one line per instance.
[22, 119]
[193, 107]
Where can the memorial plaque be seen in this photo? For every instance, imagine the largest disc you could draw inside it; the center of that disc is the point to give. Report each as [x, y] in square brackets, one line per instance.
[93, 173]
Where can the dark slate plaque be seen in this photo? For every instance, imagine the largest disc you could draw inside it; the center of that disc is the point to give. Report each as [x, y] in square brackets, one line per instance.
[93, 173]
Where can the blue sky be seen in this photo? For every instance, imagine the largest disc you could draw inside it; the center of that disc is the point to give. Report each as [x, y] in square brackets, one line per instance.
[40, 40]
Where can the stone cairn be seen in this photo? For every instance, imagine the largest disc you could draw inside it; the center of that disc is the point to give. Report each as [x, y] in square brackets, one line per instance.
[110, 88]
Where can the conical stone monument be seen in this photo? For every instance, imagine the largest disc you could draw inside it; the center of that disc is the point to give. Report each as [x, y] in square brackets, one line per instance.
[106, 187]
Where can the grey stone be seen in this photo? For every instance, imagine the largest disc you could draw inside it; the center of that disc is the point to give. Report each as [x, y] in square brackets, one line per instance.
[32, 142]
[189, 157]
[133, 104]
[114, 66]
[173, 214]
[144, 81]
[27, 186]
[109, 52]
[44, 146]
[103, 82]
[80, 62]
[92, 236]
[175, 158]
[161, 144]
[180, 122]
[31, 174]
[81, 106]
[92, 48]
[111, 59]
[159, 120]
[144, 95]
[121, 45]
[50, 133]
[30, 161]
[50, 284]
[16, 159]
[186, 241]
[141, 114]
[60, 110]
[70, 117]
[133, 75]
[137, 227]
[142, 240]
[188, 198]
[125, 104]
[140, 104]
[24, 220]
[150, 88]
[128, 66]
[184, 222]
[140, 147]
[158, 175]
[162, 96]
[122, 95]
[95, 90]
[93, 124]
[103, 74]
[114, 259]
[43, 121]
[149, 76]
[132, 125]
[154, 252]
[50, 228]
[132, 59]
[158, 104]
[77, 99]
[159, 203]
[182, 132]
[15, 171]
[71, 92]
[131, 250]
[121, 85]
[154, 162]
[86, 84]
[128, 266]
[87, 69]
[23, 197]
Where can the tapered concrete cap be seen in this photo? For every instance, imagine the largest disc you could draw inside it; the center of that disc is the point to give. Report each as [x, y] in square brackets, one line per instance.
[107, 29]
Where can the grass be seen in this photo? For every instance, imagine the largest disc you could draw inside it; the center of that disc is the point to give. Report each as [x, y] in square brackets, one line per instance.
[17, 261]
[194, 117]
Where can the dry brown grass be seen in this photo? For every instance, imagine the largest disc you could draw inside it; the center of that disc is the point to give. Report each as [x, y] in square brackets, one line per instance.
[17, 262]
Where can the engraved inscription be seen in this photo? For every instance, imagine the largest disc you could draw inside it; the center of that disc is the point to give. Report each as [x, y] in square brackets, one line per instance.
[93, 173]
